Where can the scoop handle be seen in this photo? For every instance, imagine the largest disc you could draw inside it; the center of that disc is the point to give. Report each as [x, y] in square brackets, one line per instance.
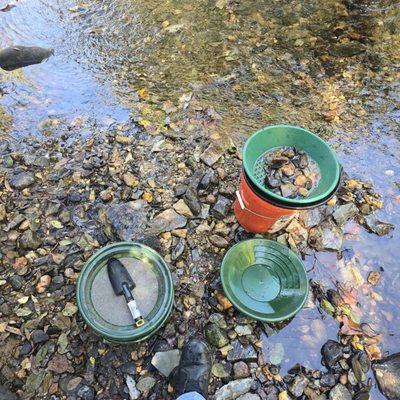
[137, 316]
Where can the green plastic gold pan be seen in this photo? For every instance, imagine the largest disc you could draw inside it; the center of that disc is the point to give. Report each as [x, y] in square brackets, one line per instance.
[264, 280]
[106, 312]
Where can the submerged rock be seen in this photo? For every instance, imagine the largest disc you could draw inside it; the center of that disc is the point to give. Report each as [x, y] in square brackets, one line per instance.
[240, 352]
[15, 57]
[375, 226]
[331, 352]
[327, 236]
[298, 385]
[387, 373]
[343, 213]
[233, 389]
[340, 392]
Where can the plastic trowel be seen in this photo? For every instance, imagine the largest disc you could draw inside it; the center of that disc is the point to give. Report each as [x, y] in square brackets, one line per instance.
[123, 284]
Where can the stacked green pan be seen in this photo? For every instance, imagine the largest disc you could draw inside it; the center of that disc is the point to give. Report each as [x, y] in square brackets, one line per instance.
[276, 136]
[264, 279]
[106, 313]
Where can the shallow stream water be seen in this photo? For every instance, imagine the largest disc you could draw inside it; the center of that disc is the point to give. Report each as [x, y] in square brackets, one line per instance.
[331, 67]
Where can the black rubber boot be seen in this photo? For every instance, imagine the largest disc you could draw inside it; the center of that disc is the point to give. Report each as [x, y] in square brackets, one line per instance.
[193, 371]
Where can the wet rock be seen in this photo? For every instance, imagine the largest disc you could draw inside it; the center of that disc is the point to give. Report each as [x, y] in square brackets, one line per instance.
[340, 392]
[192, 201]
[298, 385]
[387, 373]
[221, 207]
[347, 49]
[15, 57]
[86, 392]
[328, 380]
[249, 396]
[16, 281]
[145, 384]
[221, 370]
[331, 352]
[134, 394]
[30, 240]
[211, 155]
[243, 330]
[59, 364]
[182, 208]
[167, 221]
[374, 225]
[127, 219]
[360, 365]
[233, 389]
[240, 370]
[313, 217]
[219, 241]
[6, 394]
[26, 348]
[326, 236]
[241, 352]
[22, 180]
[39, 336]
[166, 361]
[3, 212]
[215, 336]
[343, 213]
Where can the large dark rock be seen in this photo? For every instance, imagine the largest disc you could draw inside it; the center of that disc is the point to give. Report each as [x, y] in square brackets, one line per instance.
[331, 352]
[192, 201]
[15, 57]
[221, 207]
[387, 373]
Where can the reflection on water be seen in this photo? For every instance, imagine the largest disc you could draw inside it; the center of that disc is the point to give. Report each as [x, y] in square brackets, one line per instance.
[327, 66]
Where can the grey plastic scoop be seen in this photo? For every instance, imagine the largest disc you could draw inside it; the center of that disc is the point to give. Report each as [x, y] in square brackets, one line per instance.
[123, 284]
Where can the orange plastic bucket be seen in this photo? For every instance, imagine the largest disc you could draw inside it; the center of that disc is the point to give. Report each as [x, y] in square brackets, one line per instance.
[253, 213]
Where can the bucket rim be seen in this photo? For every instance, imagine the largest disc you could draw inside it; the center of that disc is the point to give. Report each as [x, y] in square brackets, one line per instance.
[278, 198]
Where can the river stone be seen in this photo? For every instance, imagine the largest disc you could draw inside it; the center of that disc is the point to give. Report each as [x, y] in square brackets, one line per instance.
[221, 207]
[127, 219]
[339, 392]
[215, 336]
[166, 221]
[3, 212]
[39, 336]
[192, 201]
[22, 180]
[220, 370]
[387, 373]
[134, 394]
[86, 392]
[243, 330]
[219, 241]
[166, 361]
[5, 394]
[30, 240]
[182, 208]
[313, 217]
[331, 352]
[240, 370]
[249, 396]
[360, 364]
[298, 385]
[343, 213]
[15, 57]
[211, 155]
[346, 49]
[327, 236]
[328, 380]
[240, 352]
[374, 225]
[145, 384]
[233, 389]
